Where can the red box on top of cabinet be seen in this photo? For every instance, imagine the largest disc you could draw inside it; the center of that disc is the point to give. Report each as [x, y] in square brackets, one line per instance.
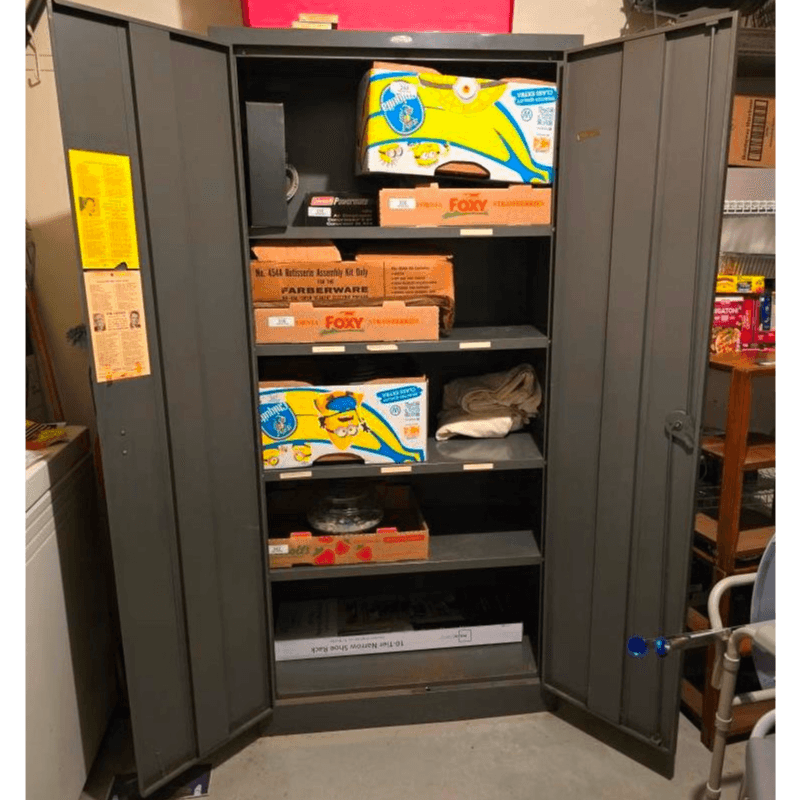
[411, 15]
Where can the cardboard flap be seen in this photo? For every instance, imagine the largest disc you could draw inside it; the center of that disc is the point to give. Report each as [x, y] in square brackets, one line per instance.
[394, 67]
[293, 251]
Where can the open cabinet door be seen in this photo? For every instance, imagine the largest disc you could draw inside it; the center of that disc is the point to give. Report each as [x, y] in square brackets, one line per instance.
[180, 453]
[644, 135]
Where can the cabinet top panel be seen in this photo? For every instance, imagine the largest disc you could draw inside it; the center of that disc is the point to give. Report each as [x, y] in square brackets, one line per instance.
[378, 44]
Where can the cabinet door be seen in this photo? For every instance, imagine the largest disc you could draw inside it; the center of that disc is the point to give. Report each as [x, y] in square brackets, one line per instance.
[180, 453]
[644, 133]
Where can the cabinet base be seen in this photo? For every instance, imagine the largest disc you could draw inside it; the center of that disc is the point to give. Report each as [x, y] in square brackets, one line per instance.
[377, 709]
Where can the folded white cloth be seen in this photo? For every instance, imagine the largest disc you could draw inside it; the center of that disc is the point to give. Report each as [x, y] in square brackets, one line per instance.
[489, 406]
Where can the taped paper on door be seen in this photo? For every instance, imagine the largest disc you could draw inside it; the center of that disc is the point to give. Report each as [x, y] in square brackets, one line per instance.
[103, 199]
[117, 324]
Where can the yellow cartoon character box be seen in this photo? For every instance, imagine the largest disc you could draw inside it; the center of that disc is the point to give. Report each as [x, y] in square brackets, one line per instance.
[418, 122]
[379, 422]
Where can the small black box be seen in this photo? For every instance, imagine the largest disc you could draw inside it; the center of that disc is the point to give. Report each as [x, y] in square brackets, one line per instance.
[340, 209]
[266, 161]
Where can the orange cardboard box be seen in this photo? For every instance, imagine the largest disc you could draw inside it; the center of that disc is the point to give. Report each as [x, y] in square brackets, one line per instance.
[752, 131]
[402, 534]
[426, 206]
[392, 321]
[316, 274]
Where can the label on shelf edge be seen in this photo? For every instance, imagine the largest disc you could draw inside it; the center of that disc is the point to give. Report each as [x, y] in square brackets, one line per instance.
[392, 470]
[474, 345]
[328, 348]
[477, 231]
[306, 473]
[377, 348]
[476, 467]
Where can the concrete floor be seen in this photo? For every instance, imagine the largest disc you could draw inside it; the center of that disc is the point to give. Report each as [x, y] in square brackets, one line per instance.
[531, 757]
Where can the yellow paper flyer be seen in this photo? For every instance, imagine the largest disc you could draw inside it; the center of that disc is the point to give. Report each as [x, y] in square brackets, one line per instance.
[117, 324]
[103, 194]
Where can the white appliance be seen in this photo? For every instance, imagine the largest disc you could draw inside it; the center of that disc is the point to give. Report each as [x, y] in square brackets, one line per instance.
[70, 676]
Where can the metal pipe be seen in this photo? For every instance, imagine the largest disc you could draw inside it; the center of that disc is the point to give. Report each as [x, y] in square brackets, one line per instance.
[730, 668]
[719, 588]
[754, 697]
[764, 725]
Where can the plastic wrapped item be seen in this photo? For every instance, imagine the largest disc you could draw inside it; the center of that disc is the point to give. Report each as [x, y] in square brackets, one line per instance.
[346, 508]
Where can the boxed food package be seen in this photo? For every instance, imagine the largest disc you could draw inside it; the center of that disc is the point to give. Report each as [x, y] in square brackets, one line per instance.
[425, 206]
[749, 314]
[390, 321]
[758, 322]
[726, 329]
[415, 121]
[763, 321]
[383, 421]
[401, 535]
[752, 141]
[740, 284]
[341, 209]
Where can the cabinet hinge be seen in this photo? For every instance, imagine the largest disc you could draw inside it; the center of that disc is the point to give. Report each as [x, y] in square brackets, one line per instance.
[680, 426]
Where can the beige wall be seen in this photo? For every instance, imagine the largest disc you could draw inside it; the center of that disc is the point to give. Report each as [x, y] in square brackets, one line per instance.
[597, 20]
[47, 201]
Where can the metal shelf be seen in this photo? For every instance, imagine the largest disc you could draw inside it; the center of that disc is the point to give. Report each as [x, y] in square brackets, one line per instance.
[404, 670]
[516, 451]
[500, 337]
[376, 232]
[447, 552]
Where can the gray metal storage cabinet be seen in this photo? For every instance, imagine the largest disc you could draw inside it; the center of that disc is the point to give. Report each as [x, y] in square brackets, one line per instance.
[587, 515]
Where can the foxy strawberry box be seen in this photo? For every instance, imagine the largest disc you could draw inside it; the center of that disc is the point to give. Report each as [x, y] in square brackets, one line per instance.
[384, 421]
[401, 535]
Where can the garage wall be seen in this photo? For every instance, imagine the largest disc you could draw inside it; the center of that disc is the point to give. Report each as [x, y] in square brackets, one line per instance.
[597, 20]
[47, 201]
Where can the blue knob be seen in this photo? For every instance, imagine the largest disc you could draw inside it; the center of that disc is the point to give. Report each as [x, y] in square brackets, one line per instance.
[637, 647]
[662, 647]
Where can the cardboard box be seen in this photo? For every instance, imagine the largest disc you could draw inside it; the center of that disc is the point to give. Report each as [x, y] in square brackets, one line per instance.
[390, 321]
[749, 314]
[726, 331]
[415, 121]
[431, 206]
[763, 324]
[470, 16]
[740, 284]
[752, 141]
[298, 273]
[402, 534]
[378, 422]
[772, 319]
[348, 626]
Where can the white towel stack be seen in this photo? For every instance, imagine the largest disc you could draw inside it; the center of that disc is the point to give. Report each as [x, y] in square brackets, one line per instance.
[489, 406]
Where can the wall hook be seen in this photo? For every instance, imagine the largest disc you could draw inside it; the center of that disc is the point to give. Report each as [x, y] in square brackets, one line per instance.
[36, 79]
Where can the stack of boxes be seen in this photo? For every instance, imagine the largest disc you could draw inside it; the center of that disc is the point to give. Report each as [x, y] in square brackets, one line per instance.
[744, 315]
[744, 308]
